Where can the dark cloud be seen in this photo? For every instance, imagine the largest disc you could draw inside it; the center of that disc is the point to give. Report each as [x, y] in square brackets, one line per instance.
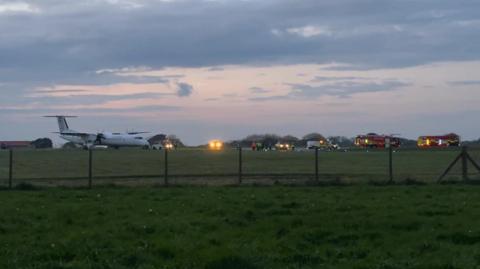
[216, 68]
[90, 99]
[184, 89]
[270, 98]
[103, 42]
[66, 42]
[59, 91]
[464, 83]
[111, 78]
[40, 111]
[230, 95]
[258, 90]
[344, 89]
[328, 79]
[341, 89]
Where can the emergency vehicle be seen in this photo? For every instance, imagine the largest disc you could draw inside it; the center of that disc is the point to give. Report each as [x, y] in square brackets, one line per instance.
[284, 146]
[438, 141]
[373, 140]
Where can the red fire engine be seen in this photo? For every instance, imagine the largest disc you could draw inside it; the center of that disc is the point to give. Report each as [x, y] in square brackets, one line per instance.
[438, 141]
[373, 140]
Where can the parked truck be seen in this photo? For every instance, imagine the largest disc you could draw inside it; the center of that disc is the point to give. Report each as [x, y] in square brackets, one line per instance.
[373, 140]
[438, 141]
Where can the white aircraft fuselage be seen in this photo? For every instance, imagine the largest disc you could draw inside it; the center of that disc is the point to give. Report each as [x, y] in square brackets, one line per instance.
[87, 140]
[111, 140]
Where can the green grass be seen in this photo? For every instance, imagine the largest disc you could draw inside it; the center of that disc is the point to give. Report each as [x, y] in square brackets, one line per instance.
[432, 226]
[352, 166]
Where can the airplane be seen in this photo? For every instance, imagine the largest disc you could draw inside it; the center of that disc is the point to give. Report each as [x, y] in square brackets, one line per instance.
[90, 140]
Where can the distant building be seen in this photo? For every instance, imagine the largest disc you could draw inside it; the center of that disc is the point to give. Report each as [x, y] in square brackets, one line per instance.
[15, 144]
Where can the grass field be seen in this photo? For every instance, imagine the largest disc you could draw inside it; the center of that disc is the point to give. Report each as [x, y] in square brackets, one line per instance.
[352, 166]
[360, 226]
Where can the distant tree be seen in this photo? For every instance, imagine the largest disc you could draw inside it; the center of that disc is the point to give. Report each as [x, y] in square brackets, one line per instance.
[313, 136]
[69, 145]
[266, 140]
[157, 139]
[254, 138]
[42, 143]
[269, 140]
[175, 140]
[341, 141]
[309, 137]
[471, 142]
[232, 143]
[290, 139]
[405, 142]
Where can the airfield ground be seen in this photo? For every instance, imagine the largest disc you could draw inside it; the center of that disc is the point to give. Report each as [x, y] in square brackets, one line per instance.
[356, 224]
[140, 167]
[359, 226]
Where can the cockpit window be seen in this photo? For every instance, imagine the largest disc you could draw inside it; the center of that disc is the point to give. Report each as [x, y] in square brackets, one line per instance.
[139, 138]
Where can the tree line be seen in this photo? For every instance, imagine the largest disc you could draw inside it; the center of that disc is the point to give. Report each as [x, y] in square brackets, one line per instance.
[265, 139]
[272, 139]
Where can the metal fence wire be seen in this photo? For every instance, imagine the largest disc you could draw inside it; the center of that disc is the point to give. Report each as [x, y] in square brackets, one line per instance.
[233, 166]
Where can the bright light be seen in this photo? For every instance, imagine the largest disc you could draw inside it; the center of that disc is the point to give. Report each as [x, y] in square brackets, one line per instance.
[285, 146]
[215, 145]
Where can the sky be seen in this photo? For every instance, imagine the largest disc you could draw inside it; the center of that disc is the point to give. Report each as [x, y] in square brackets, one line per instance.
[208, 69]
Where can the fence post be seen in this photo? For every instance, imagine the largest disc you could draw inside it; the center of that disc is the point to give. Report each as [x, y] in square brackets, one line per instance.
[240, 165]
[464, 163]
[10, 169]
[390, 163]
[90, 167]
[166, 167]
[316, 163]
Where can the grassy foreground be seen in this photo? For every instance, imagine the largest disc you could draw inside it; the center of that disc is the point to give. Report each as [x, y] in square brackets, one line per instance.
[432, 226]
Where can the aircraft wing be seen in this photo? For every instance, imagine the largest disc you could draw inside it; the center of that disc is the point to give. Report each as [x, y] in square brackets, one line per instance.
[83, 135]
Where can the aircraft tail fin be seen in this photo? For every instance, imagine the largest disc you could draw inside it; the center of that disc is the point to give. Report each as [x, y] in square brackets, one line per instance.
[62, 123]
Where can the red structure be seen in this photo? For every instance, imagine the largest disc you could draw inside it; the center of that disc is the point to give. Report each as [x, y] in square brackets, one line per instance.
[373, 140]
[438, 141]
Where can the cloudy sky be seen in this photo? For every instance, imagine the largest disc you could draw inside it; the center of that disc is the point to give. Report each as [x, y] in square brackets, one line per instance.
[206, 69]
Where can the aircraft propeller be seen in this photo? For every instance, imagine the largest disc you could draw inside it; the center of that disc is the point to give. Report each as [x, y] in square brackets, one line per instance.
[99, 138]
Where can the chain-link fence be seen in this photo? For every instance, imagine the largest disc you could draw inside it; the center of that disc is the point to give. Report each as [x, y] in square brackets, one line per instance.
[227, 167]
